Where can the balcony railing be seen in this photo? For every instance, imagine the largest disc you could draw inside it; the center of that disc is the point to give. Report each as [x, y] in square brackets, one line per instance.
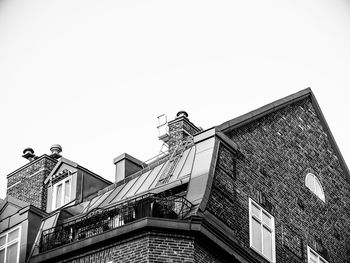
[100, 220]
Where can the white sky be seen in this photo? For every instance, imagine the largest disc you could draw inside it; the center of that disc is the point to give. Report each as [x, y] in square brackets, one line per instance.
[93, 75]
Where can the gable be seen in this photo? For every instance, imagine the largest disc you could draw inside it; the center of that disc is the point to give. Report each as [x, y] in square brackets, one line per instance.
[62, 169]
[273, 110]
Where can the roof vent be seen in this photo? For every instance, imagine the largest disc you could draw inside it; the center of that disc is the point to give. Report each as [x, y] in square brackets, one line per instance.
[56, 149]
[28, 153]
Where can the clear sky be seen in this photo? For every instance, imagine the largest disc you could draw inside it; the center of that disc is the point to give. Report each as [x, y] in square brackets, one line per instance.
[93, 75]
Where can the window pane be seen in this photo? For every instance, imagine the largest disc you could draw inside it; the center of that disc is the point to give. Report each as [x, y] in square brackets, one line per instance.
[256, 235]
[310, 182]
[66, 191]
[319, 191]
[2, 256]
[58, 195]
[267, 219]
[256, 211]
[11, 256]
[13, 235]
[313, 257]
[267, 243]
[2, 240]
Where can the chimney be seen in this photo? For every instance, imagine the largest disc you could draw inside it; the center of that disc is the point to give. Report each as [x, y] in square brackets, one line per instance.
[27, 182]
[56, 150]
[125, 166]
[28, 153]
[179, 129]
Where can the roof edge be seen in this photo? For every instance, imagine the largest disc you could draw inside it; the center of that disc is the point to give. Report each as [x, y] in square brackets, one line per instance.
[264, 110]
[332, 141]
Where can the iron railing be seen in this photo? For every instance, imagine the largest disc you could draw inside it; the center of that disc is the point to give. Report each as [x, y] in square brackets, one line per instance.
[100, 220]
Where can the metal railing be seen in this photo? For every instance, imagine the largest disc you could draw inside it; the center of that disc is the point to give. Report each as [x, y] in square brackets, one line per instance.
[100, 220]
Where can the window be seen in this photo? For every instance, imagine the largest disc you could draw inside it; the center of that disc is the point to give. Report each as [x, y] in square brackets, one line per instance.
[313, 257]
[61, 193]
[262, 231]
[9, 246]
[312, 182]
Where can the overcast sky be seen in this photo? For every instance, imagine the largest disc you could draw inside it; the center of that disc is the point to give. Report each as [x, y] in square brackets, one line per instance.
[93, 75]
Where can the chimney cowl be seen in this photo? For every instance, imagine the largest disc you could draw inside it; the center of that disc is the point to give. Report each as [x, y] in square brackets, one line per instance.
[56, 150]
[28, 153]
[182, 114]
[28, 150]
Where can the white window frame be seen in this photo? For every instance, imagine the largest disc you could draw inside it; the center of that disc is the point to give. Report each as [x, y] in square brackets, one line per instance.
[55, 186]
[262, 224]
[7, 244]
[313, 187]
[319, 258]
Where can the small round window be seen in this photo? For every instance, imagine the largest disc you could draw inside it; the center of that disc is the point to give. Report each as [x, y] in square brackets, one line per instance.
[312, 182]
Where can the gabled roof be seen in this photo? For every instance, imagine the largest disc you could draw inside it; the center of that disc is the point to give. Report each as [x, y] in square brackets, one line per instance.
[68, 162]
[279, 104]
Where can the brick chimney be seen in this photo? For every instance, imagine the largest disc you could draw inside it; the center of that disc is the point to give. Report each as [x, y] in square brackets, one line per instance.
[179, 130]
[27, 182]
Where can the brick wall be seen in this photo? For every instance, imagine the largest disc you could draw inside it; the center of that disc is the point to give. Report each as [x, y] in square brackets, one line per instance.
[151, 247]
[277, 151]
[27, 184]
[204, 254]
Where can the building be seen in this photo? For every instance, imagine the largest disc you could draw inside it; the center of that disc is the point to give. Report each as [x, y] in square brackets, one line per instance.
[268, 186]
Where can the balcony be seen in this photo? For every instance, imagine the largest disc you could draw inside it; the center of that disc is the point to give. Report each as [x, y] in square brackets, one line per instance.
[100, 220]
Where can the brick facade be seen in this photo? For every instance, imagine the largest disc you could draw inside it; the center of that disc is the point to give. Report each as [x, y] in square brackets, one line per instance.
[27, 184]
[276, 153]
[150, 247]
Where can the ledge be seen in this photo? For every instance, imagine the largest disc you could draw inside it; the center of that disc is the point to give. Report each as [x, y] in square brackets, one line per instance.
[207, 228]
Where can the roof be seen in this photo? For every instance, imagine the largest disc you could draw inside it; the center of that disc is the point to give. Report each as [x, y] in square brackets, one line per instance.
[63, 160]
[145, 181]
[264, 110]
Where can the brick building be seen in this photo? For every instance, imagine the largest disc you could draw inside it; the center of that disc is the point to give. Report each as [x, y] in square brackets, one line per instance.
[268, 186]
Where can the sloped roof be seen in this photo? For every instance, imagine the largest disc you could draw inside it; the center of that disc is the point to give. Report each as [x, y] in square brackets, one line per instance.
[142, 182]
[146, 181]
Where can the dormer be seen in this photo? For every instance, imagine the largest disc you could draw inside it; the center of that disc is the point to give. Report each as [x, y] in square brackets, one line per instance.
[69, 184]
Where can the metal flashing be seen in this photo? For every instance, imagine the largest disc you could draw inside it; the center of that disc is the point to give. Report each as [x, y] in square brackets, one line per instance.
[264, 110]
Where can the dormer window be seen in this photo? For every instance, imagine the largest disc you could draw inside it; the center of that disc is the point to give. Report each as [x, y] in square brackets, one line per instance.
[61, 193]
[312, 182]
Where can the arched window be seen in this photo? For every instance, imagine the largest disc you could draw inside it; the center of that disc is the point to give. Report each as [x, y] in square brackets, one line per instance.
[312, 182]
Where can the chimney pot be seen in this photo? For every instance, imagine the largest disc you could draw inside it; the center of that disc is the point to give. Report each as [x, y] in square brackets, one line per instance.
[182, 114]
[28, 153]
[56, 150]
